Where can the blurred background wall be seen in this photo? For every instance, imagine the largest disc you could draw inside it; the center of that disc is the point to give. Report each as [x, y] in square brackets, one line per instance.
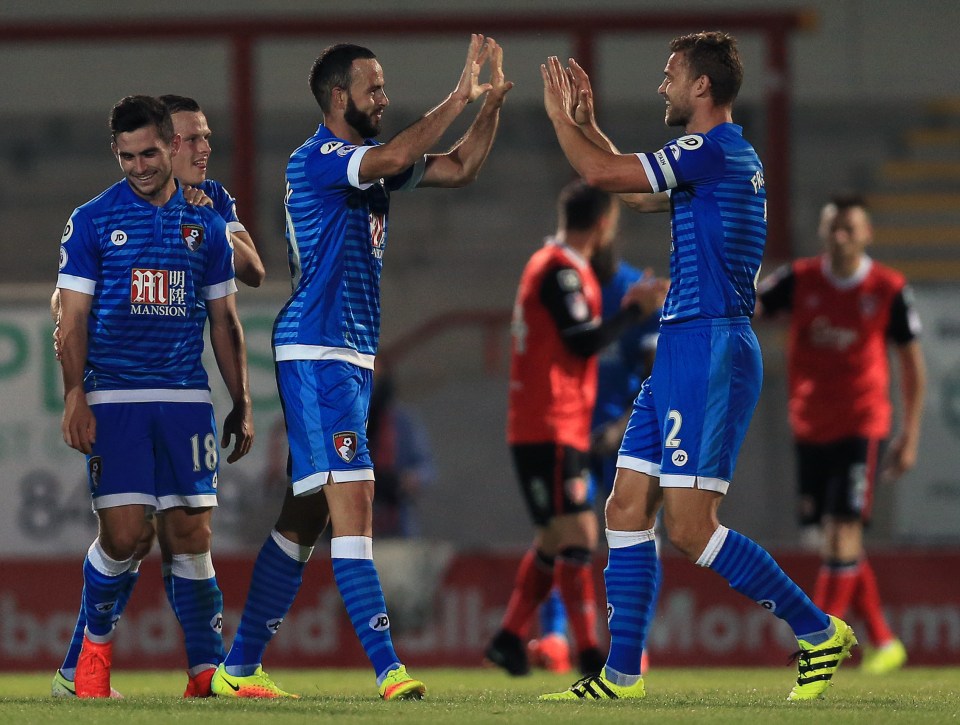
[873, 106]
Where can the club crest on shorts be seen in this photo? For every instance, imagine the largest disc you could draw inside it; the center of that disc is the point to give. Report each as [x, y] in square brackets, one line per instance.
[346, 444]
[95, 467]
[192, 236]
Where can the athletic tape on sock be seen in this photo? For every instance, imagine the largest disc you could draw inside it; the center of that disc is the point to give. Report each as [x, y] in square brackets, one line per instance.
[293, 550]
[104, 564]
[713, 547]
[351, 547]
[193, 566]
[623, 539]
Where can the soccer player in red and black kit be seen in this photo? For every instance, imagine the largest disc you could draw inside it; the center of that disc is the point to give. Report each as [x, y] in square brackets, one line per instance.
[557, 332]
[844, 310]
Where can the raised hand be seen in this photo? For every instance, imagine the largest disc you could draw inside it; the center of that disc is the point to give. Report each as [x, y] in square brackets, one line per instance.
[196, 197]
[583, 112]
[557, 90]
[498, 86]
[469, 88]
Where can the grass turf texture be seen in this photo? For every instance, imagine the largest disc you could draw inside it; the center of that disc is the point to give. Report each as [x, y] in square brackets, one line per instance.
[914, 695]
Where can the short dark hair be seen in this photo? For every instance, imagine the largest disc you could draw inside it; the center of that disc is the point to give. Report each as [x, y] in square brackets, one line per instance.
[132, 113]
[332, 69]
[580, 205]
[844, 200]
[180, 104]
[713, 54]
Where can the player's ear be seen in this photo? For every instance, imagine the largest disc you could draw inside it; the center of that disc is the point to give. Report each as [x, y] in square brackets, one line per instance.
[175, 144]
[702, 85]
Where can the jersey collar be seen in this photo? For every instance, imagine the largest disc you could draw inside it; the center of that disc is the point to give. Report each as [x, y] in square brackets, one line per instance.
[866, 264]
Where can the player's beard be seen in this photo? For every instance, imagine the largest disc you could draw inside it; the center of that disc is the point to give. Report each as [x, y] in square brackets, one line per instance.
[675, 116]
[362, 123]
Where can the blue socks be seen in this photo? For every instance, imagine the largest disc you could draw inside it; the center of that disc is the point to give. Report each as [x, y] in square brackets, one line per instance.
[198, 605]
[277, 576]
[632, 579]
[103, 583]
[76, 641]
[751, 571]
[553, 615]
[362, 595]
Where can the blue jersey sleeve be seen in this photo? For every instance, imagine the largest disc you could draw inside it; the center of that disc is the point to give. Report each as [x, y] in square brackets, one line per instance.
[223, 203]
[218, 280]
[335, 165]
[686, 161]
[79, 255]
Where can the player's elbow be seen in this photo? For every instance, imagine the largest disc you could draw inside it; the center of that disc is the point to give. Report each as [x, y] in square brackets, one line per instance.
[387, 160]
[252, 276]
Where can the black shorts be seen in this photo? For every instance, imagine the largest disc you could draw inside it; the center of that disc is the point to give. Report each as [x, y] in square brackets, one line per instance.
[837, 479]
[553, 479]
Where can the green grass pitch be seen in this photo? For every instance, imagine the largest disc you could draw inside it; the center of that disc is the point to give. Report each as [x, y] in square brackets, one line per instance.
[754, 696]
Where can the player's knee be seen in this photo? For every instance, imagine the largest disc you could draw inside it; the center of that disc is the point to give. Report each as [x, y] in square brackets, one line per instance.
[688, 538]
[119, 545]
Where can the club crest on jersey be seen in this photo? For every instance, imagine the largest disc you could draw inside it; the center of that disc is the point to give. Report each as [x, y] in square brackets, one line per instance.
[192, 236]
[95, 468]
[346, 444]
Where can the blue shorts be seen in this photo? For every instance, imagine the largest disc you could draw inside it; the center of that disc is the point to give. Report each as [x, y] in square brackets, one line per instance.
[692, 413]
[162, 455]
[325, 407]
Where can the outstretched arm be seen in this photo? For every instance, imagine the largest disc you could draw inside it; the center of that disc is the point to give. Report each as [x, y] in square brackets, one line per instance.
[229, 348]
[461, 164]
[599, 167]
[584, 113]
[407, 147]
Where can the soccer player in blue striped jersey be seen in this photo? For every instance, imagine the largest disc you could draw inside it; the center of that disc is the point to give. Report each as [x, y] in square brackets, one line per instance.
[141, 271]
[691, 415]
[325, 340]
[190, 169]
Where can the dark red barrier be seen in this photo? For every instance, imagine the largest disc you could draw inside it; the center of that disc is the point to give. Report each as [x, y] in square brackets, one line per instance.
[700, 621]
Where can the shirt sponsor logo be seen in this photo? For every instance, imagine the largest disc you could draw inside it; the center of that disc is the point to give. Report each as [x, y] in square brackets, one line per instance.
[378, 236]
[345, 442]
[690, 143]
[158, 292]
[192, 236]
[118, 237]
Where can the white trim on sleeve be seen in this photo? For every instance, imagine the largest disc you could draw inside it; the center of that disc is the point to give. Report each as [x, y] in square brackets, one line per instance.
[353, 168]
[216, 291]
[77, 284]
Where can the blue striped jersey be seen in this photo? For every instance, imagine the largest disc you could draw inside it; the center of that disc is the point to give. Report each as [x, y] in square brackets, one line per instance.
[336, 237]
[718, 219]
[223, 203]
[149, 270]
